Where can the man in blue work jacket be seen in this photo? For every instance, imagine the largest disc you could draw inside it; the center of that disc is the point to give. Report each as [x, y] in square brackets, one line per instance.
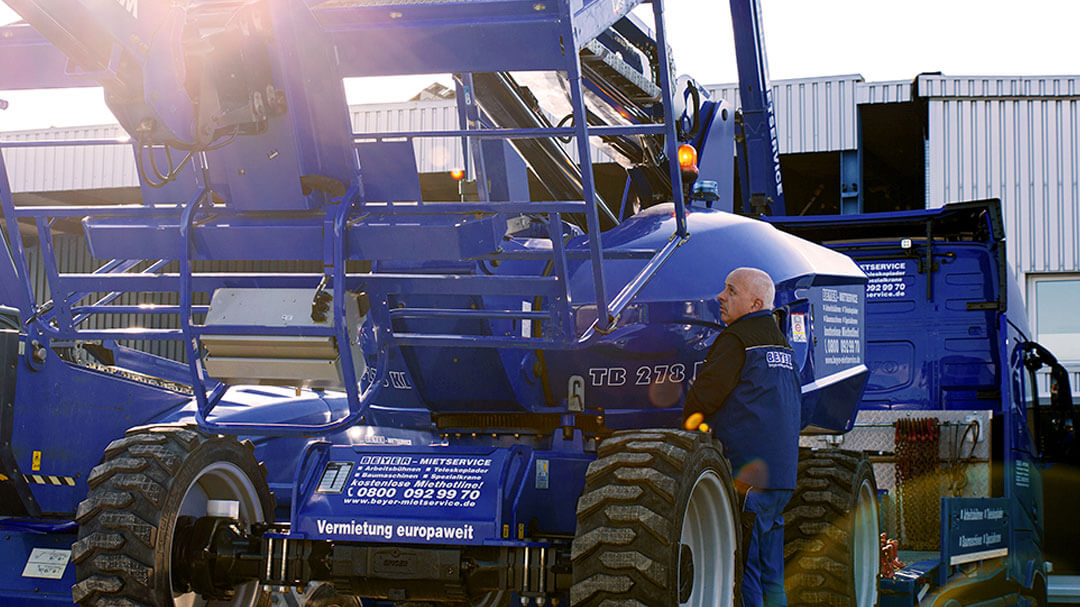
[749, 394]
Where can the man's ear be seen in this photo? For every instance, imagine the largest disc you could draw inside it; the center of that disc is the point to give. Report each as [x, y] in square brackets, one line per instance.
[758, 305]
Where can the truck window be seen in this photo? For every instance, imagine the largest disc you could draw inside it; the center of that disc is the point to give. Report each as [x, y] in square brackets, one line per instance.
[1057, 323]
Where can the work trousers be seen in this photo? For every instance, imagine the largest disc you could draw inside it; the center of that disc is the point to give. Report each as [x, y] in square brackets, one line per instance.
[763, 574]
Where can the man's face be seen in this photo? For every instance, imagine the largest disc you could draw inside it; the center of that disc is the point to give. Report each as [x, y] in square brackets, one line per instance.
[736, 300]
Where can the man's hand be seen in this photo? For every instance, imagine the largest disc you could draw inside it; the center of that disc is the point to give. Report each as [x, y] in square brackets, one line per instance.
[696, 421]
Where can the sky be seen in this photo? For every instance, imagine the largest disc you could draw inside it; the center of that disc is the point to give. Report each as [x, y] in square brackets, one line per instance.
[881, 40]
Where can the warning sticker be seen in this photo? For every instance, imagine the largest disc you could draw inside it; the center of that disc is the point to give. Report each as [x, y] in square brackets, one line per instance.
[47, 563]
[798, 328]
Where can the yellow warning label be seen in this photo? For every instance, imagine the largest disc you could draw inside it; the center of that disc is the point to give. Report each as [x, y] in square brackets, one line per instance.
[521, 531]
[49, 479]
[36, 464]
[506, 531]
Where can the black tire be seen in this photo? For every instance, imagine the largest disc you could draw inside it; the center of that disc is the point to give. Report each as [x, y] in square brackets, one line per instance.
[145, 482]
[653, 498]
[831, 546]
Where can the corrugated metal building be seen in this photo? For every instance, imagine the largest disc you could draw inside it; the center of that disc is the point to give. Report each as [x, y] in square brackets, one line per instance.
[812, 114]
[890, 145]
[58, 169]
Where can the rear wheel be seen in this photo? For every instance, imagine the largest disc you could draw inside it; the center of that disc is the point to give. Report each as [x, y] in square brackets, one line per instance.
[146, 481]
[646, 489]
[831, 545]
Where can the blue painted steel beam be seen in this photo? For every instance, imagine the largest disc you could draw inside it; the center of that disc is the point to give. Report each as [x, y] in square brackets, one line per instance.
[643, 277]
[194, 330]
[446, 284]
[124, 333]
[445, 37]
[671, 142]
[62, 312]
[575, 255]
[110, 268]
[136, 309]
[48, 143]
[577, 100]
[508, 133]
[446, 208]
[491, 341]
[759, 120]
[454, 37]
[17, 251]
[850, 183]
[29, 61]
[101, 211]
[191, 340]
[450, 313]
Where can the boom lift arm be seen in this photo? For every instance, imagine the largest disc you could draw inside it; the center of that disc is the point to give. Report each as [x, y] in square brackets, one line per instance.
[759, 148]
[148, 55]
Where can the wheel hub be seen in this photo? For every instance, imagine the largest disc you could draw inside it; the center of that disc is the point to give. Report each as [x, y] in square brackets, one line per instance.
[686, 572]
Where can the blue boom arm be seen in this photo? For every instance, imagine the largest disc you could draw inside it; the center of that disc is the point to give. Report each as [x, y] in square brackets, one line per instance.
[762, 186]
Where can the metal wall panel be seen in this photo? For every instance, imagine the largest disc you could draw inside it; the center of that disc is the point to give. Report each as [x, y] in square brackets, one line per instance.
[432, 154]
[812, 114]
[52, 169]
[62, 168]
[998, 86]
[1021, 147]
[885, 91]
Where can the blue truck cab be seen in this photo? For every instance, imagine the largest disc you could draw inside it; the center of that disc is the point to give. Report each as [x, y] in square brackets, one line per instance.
[947, 333]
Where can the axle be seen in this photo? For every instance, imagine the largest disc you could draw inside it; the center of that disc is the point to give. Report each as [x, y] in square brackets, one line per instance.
[214, 555]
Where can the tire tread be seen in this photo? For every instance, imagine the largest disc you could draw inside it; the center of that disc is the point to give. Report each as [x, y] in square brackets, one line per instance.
[818, 566]
[133, 496]
[625, 552]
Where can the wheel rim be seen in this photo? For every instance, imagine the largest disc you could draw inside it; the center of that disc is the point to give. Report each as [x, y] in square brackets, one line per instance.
[219, 481]
[865, 546]
[708, 529]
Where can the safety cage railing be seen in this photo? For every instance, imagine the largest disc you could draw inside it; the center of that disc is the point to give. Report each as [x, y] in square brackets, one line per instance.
[333, 232]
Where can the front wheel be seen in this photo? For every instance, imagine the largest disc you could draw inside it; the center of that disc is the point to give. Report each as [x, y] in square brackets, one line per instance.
[646, 489]
[831, 545]
[144, 484]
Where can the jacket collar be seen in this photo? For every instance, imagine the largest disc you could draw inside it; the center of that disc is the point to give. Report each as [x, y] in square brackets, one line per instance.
[757, 314]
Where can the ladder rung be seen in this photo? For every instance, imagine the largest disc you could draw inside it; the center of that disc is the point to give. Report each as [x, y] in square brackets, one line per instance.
[290, 331]
[443, 284]
[640, 254]
[488, 341]
[122, 333]
[440, 208]
[448, 313]
[136, 309]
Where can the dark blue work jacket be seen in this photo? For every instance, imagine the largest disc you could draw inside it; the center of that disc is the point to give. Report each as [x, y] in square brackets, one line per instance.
[749, 391]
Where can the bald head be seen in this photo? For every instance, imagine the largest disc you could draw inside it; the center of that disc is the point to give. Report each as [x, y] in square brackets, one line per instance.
[746, 290]
[758, 283]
